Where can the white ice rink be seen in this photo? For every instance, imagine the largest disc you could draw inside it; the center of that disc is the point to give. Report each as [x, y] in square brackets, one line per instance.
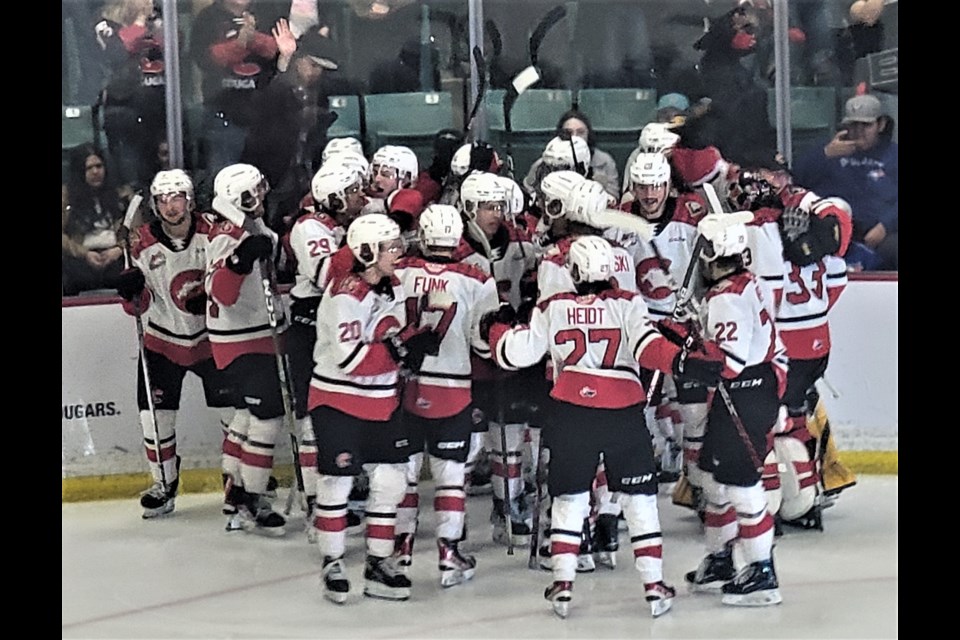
[183, 576]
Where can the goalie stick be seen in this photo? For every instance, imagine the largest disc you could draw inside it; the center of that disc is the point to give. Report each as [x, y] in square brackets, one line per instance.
[125, 231]
[270, 295]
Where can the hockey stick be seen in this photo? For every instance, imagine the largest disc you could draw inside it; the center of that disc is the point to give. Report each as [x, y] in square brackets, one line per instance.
[533, 561]
[267, 275]
[529, 76]
[126, 230]
[481, 86]
[507, 504]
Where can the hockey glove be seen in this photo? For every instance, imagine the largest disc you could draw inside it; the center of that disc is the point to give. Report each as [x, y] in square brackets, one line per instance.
[504, 315]
[130, 284]
[679, 333]
[822, 238]
[197, 305]
[252, 249]
[409, 347]
[703, 366]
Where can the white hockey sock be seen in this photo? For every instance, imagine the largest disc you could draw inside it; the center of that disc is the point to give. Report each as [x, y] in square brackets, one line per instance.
[226, 415]
[408, 511]
[449, 500]
[755, 524]
[330, 514]
[166, 423]
[307, 456]
[569, 512]
[646, 538]
[513, 470]
[387, 485]
[720, 517]
[233, 444]
[256, 458]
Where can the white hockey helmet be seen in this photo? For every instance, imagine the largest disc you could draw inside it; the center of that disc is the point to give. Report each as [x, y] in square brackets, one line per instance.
[330, 185]
[650, 169]
[367, 232]
[657, 137]
[439, 225]
[352, 160]
[555, 188]
[590, 259]
[725, 232]
[241, 186]
[585, 202]
[339, 145]
[171, 181]
[514, 195]
[479, 187]
[403, 159]
[571, 153]
[460, 163]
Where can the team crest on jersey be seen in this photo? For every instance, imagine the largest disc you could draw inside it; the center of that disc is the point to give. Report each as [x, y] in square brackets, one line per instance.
[344, 460]
[588, 392]
[157, 261]
[695, 208]
[423, 403]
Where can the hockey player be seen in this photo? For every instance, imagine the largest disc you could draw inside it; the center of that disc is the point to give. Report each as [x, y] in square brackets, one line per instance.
[337, 195]
[392, 187]
[655, 137]
[560, 154]
[743, 412]
[598, 336]
[243, 341]
[362, 341]
[450, 297]
[816, 233]
[164, 283]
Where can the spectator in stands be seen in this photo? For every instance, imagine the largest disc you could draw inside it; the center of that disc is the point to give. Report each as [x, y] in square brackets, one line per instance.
[860, 164]
[603, 167]
[130, 36]
[92, 210]
[236, 54]
[291, 120]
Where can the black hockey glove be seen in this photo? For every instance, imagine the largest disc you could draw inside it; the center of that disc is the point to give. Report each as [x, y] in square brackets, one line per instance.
[130, 284]
[504, 315]
[679, 333]
[821, 239]
[445, 145]
[197, 305]
[409, 347]
[252, 249]
[703, 366]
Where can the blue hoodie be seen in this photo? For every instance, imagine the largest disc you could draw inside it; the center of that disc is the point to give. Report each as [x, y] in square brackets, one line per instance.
[869, 181]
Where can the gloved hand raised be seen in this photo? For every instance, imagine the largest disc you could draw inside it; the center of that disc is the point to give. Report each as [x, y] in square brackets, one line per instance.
[130, 284]
[504, 315]
[252, 249]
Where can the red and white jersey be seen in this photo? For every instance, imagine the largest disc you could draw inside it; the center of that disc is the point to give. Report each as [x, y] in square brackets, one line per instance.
[514, 258]
[353, 370]
[596, 345]
[736, 316]
[313, 239]
[553, 277]
[764, 255]
[238, 318]
[661, 264]
[442, 387]
[173, 271]
[808, 296]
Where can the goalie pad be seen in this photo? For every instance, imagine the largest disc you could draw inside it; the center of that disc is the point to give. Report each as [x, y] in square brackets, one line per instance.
[835, 475]
[798, 476]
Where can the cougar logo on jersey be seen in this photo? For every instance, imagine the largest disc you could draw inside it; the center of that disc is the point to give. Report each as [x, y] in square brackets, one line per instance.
[588, 392]
[157, 260]
[695, 208]
[423, 403]
[186, 285]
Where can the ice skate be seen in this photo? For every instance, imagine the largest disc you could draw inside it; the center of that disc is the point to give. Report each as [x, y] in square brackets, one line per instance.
[755, 586]
[336, 587]
[660, 598]
[156, 502]
[383, 579]
[455, 568]
[257, 516]
[560, 593]
[714, 570]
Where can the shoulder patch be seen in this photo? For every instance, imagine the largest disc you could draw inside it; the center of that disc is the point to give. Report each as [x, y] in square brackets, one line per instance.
[694, 208]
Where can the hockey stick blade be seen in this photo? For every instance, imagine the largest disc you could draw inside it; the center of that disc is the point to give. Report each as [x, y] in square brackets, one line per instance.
[712, 200]
[555, 15]
[132, 209]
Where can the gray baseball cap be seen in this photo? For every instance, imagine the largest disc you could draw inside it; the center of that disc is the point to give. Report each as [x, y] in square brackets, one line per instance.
[865, 108]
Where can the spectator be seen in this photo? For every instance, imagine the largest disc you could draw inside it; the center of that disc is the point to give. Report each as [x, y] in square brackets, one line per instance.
[603, 168]
[291, 120]
[236, 58]
[92, 209]
[860, 164]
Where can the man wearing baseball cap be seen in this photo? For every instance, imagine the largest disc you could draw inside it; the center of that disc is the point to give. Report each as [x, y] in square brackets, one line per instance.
[860, 164]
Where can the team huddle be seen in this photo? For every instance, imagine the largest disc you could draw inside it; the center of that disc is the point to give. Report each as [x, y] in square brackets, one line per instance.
[589, 348]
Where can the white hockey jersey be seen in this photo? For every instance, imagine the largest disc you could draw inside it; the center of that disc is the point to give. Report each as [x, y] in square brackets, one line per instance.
[553, 277]
[238, 317]
[353, 369]
[442, 388]
[313, 239]
[173, 272]
[596, 344]
[809, 295]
